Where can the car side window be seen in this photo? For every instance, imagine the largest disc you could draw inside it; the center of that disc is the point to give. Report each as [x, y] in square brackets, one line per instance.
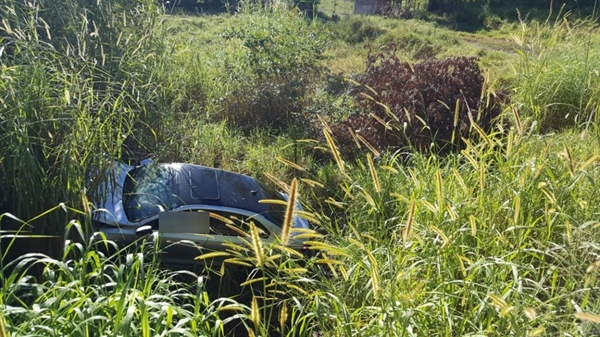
[230, 224]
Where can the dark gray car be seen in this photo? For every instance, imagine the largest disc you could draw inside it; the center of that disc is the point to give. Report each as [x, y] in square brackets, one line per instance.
[193, 209]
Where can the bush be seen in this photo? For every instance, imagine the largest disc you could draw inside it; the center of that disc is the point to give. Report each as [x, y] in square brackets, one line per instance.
[280, 59]
[357, 29]
[427, 107]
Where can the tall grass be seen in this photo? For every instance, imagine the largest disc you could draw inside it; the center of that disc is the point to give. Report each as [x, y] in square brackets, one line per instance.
[76, 82]
[85, 294]
[557, 74]
[473, 243]
[498, 239]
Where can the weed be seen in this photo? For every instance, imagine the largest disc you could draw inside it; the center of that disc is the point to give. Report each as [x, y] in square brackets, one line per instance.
[71, 98]
[556, 76]
[281, 57]
[357, 30]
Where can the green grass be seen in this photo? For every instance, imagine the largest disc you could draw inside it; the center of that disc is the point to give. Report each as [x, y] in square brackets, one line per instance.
[498, 239]
[342, 8]
[557, 70]
[449, 235]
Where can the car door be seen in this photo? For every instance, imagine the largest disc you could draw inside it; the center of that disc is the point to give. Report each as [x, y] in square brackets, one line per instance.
[232, 226]
[182, 234]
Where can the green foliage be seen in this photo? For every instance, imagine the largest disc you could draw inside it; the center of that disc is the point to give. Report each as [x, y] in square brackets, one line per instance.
[498, 237]
[278, 47]
[280, 60]
[357, 29]
[70, 97]
[87, 293]
[557, 78]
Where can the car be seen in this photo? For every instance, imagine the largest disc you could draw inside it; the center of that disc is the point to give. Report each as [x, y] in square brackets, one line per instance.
[192, 209]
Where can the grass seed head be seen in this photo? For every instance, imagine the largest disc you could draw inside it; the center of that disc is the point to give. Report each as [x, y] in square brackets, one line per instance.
[257, 246]
[289, 213]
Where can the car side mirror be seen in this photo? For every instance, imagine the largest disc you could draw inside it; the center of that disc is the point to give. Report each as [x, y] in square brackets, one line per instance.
[144, 230]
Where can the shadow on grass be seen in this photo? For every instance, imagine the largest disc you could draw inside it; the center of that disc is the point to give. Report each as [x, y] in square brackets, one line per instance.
[471, 17]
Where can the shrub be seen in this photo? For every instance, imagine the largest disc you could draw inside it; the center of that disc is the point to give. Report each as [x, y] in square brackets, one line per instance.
[428, 106]
[280, 59]
[357, 29]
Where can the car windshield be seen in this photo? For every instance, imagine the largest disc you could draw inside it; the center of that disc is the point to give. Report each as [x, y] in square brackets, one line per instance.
[147, 190]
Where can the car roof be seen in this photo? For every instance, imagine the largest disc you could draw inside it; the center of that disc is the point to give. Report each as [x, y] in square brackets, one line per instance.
[203, 185]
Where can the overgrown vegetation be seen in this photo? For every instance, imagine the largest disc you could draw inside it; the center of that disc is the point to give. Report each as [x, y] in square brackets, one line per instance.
[77, 80]
[280, 61]
[558, 74]
[431, 106]
[496, 237]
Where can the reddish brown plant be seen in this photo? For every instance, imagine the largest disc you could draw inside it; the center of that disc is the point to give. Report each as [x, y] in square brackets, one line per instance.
[426, 107]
